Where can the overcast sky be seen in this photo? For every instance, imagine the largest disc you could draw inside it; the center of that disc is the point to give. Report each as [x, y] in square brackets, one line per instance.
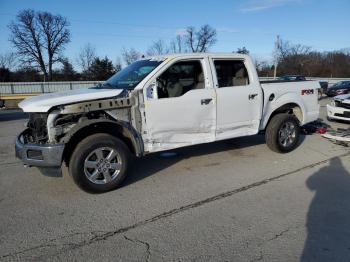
[111, 25]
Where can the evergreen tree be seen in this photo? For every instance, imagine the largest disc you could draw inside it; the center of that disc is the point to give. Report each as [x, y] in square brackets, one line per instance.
[101, 69]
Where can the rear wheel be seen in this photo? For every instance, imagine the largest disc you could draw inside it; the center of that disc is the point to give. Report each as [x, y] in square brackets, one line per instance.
[282, 133]
[99, 163]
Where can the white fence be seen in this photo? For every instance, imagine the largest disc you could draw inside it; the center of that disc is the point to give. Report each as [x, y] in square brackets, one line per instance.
[43, 87]
[48, 87]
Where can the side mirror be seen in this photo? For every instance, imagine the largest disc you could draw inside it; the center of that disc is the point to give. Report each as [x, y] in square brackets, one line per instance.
[151, 91]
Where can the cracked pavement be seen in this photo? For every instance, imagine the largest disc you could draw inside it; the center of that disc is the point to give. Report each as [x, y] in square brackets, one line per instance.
[229, 201]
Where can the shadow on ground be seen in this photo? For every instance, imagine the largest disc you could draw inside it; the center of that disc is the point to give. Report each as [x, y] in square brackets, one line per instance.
[153, 163]
[328, 218]
[9, 115]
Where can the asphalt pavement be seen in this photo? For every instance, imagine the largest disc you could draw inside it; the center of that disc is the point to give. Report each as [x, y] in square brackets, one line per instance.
[233, 200]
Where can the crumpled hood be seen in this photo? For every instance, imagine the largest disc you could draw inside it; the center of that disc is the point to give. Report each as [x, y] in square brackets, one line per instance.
[345, 98]
[43, 103]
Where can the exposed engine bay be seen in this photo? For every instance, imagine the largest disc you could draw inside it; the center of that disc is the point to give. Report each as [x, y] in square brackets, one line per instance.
[54, 126]
[37, 129]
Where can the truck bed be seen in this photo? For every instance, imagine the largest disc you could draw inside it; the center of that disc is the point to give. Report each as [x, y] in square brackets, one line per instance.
[281, 81]
[302, 93]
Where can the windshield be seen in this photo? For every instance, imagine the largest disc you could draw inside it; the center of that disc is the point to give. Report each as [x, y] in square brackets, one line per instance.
[130, 76]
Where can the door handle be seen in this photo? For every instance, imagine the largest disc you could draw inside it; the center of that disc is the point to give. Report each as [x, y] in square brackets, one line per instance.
[252, 96]
[206, 101]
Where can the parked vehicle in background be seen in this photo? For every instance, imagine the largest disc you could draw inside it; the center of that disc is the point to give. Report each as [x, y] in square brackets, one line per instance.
[292, 78]
[340, 88]
[324, 87]
[339, 108]
[158, 104]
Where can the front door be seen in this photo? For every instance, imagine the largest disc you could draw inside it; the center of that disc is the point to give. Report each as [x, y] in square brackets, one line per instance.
[182, 111]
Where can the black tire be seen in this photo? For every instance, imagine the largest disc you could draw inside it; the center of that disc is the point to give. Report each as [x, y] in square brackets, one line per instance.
[98, 142]
[272, 134]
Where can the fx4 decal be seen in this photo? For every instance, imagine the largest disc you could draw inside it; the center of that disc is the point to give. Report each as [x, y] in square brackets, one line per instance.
[307, 92]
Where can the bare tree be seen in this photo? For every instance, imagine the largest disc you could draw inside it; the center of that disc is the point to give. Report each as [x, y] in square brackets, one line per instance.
[286, 48]
[293, 58]
[118, 64]
[8, 60]
[39, 38]
[262, 66]
[189, 40]
[202, 40]
[86, 56]
[257, 63]
[130, 55]
[157, 48]
[177, 45]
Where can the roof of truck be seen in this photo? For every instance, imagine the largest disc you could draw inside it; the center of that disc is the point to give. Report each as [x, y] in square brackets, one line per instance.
[194, 55]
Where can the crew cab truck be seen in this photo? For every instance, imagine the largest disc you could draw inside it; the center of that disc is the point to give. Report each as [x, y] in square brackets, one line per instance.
[156, 104]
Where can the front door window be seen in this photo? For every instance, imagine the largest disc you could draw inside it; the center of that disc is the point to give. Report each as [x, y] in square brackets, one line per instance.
[180, 78]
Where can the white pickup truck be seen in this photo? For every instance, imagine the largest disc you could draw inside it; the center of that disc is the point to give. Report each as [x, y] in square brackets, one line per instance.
[158, 104]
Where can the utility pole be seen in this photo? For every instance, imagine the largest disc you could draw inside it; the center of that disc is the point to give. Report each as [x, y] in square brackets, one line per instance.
[277, 47]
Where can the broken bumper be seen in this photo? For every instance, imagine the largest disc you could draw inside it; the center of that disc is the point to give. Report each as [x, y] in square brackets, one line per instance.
[338, 113]
[40, 155]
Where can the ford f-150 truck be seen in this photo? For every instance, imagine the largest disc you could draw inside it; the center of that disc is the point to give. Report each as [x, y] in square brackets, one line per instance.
[156, 104]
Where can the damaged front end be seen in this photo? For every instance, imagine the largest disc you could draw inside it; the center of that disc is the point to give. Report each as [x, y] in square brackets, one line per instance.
[43, 143]
[32, 145]
[63, 119]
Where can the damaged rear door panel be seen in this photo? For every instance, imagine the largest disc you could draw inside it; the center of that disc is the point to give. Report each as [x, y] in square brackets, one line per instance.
[239, 97]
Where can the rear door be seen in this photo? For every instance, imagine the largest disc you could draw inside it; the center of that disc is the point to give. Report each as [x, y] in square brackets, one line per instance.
[181, 109]
[239, 98]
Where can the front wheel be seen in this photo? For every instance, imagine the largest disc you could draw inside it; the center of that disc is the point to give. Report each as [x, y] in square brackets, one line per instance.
[282, 133]
[99, 163]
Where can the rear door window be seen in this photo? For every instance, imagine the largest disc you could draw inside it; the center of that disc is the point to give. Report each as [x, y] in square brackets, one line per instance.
[231, 73]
